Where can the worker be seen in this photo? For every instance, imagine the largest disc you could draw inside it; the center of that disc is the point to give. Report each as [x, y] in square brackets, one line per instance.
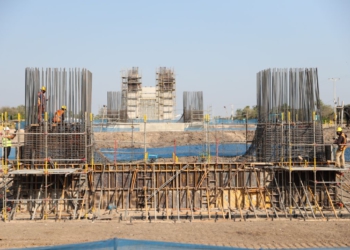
[340, 153]
[6, 144]
[41, 103]
[59, 115]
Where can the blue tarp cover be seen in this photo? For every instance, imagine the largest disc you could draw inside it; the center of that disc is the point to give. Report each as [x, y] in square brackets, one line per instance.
[124, 244]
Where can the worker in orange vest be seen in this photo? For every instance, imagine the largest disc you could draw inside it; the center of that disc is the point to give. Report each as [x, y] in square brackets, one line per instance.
[59, 115]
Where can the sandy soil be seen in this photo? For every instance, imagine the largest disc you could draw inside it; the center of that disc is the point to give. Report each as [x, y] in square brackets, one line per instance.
[166, 139]
[256, 234]
[329, 134]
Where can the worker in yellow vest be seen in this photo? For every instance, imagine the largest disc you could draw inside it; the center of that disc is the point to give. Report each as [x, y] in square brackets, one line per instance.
[6, 144]
[341, 141]
[59, 115]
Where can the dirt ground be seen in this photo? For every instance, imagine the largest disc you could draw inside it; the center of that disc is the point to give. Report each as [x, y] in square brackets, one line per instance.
[168, 138]
[255, 234]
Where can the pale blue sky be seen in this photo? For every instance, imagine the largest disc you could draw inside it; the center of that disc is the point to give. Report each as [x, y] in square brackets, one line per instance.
[214, 46]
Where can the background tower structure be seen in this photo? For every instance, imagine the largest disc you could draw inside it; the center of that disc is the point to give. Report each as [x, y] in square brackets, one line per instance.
[131, 92]
[289, 117]
[166, 93]
[148, 103]
[114, 105]
[193, 106]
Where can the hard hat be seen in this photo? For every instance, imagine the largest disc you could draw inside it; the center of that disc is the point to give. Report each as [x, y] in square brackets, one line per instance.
[6, 128]
[339, 129]
[64, 107]
[43, 88]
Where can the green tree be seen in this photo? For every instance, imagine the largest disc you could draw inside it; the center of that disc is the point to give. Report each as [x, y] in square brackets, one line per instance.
[100, 114]
[327, 112]
[12, 112]
[251, 113]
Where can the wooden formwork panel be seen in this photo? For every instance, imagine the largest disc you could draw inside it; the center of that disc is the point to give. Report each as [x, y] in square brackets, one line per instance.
[171, 186]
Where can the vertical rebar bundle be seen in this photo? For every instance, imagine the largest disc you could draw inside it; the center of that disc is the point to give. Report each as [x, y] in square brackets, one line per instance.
[283, 90]
[72, 88]
[114, 105]
[193, 106]
[66, 141]
[289, 116]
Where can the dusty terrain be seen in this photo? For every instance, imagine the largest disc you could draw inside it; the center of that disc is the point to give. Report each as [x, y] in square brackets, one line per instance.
[256, 234]
[166, 139]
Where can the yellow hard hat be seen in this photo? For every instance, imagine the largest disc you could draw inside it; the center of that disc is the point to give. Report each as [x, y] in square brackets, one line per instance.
[64, 107]
[43, 88]
[339, 129]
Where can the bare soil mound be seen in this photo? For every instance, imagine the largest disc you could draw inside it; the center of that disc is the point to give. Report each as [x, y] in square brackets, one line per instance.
[180, 138]
[167, 138]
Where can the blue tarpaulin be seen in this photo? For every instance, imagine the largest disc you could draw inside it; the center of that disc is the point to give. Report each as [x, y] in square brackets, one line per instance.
[124, 244]
[128, 154]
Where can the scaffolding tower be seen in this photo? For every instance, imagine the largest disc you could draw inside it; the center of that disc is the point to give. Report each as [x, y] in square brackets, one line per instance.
[166, 93]
[131, 92]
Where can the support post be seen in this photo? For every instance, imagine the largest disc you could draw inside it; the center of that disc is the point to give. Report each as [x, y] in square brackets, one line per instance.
[46, 170]
[115, 152]
[154, 189]
[314, 128]
[177, 197]
[144, 136]
[217, 151]
[18, 129]
[290, 166]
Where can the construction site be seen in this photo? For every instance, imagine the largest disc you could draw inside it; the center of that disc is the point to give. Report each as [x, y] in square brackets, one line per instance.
[140, 163]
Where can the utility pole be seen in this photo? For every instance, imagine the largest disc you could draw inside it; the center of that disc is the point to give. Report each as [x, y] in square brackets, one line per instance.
[334, 80]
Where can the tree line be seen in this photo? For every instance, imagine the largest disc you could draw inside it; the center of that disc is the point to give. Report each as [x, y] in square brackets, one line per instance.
[327, 112]
[12, 112]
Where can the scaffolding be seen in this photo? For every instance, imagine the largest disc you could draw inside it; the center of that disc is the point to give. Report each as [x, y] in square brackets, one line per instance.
[131, 93]
[51, 153]
[180, 191]
[166, 93]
